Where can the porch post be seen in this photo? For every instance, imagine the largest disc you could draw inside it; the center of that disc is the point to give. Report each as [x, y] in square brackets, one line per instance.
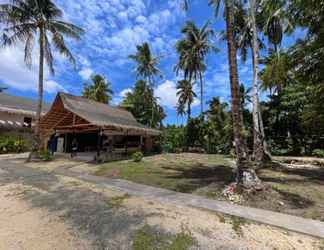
[126, 146]
[99, 142]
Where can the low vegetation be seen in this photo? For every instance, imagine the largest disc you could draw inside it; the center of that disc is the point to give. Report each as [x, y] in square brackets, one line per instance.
[11, 144]
[148, 238]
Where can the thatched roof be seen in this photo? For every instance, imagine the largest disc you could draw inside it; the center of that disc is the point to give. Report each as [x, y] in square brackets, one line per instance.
[98, 114]
[19, 105]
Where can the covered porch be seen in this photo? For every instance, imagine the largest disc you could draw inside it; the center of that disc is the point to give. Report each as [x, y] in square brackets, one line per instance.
[108, 133]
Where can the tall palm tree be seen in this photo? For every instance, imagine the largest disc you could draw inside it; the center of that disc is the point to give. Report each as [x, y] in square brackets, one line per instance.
[99, 90]
[26, 20]
[243, 165]
[193, 50]
[186, 95]
[146, 66]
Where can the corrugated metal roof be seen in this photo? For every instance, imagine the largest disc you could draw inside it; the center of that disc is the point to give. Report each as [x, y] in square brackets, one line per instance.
[21, 105]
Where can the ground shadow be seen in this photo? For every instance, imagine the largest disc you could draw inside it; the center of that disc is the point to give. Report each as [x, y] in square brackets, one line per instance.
[198, 176]
[90, 213]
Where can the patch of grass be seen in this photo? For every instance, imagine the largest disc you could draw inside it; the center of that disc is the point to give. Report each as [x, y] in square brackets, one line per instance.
[148, 238]
[237, 224]
[117, 201]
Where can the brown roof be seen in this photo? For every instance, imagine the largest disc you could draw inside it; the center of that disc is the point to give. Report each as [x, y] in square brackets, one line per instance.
[100, 114]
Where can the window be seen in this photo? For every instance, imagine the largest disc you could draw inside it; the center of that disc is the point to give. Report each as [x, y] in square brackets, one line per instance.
[27, 122]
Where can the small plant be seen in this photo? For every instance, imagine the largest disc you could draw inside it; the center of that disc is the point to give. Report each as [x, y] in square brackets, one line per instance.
[10, 144]
[117, 201]
[318, 153]
[148, 238]
[45, 155]
[137, 156]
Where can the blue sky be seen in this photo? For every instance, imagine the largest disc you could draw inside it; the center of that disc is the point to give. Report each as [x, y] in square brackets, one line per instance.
[113, 29]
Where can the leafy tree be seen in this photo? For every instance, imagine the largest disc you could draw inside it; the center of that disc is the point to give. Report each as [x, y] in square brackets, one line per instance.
[140, 103]
[98, 90]
[146, 67]
[25, 20]
[219, 130]
[185, 95]
[193, 50]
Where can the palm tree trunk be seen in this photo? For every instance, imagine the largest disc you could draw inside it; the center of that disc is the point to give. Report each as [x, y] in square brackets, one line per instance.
[37, 139]
[243, 165]
[258, 131]
[189, 112]
[201, 94]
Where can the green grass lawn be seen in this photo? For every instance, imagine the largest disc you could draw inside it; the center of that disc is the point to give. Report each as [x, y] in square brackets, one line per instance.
[295, 191]
[179, 172]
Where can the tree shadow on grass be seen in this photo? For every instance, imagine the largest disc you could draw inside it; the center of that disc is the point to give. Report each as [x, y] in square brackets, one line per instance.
[199, 176]
[295, 201]
[312, 175]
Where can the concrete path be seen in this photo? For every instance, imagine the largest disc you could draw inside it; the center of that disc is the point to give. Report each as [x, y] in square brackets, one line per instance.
[289, 222]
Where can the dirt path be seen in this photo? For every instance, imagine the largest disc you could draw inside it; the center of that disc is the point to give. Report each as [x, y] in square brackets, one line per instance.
[41, 210]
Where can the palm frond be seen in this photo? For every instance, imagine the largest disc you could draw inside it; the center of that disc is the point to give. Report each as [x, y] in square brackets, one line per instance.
[48, 55]
[59, 44]
[67, 29]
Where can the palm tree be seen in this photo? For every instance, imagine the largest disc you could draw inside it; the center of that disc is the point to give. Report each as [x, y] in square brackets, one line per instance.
[185, 95]
[146, 66]
[26, 20]
[193, 50]
[99, 90]
[243, 165]
[181, 110]
[276, 21]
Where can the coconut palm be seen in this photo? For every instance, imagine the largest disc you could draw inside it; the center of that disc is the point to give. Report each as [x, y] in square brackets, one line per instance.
[27, 20]
[276, 21]
[246, 35]
[186, 95]
[146, 66]
[243, 165]
[193, 50]
[99, 90]
[181, 110]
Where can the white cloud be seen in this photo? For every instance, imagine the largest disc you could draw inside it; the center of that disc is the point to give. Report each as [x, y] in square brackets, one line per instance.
[120, 96]
[53, 87]
[85, 73]
[167, 94]
[15, 74]
[124, 92]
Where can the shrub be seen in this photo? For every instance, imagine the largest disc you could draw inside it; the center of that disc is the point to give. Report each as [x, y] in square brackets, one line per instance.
[10, 144]
[318, 152]
[137, 156]
[45, 155]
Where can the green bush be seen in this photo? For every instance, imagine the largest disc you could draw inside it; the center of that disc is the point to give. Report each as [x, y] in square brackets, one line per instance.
[318, 153]
[137, 156]
[10, 144]
[45, 155]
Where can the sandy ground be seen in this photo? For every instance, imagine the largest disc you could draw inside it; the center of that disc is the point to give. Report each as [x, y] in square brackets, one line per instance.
[25, 227]
[40, 210]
